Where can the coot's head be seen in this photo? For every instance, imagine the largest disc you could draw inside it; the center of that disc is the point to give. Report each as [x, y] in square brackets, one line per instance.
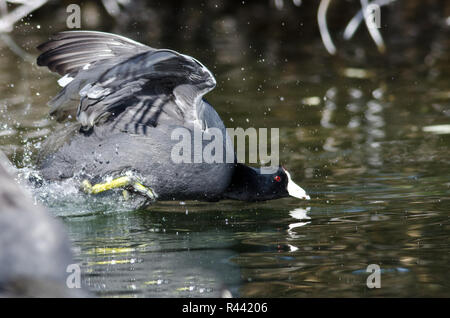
[251, 184]
[280, 184]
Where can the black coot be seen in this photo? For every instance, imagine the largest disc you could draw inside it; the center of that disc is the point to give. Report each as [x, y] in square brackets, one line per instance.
[132, 100]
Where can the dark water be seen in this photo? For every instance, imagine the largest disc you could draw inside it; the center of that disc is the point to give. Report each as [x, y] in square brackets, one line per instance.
[369, 142]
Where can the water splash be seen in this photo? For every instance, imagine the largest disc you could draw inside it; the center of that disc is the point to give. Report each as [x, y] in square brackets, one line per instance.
[65, 199]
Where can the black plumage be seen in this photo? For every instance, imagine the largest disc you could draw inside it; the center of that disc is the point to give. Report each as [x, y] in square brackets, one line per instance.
[132, 98]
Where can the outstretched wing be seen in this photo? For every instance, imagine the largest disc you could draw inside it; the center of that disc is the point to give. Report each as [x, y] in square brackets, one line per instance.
[142, 89]
[68, 52]
[81, 57]
[147, 88]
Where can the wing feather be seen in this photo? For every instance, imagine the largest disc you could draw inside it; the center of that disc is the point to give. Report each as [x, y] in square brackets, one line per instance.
[125, 81]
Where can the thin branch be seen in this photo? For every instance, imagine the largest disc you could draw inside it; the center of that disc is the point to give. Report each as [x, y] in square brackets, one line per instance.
[7, 21]
[354, 23]
[323, 28]
[6, 38]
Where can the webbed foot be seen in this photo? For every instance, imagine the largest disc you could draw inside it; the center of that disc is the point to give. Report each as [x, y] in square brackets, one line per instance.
[128, 181]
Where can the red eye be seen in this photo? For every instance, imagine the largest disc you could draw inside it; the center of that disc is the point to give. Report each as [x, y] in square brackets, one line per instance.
[277, 178]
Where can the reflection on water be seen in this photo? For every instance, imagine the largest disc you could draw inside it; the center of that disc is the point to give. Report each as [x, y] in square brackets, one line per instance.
[153, 254]
[370, 145]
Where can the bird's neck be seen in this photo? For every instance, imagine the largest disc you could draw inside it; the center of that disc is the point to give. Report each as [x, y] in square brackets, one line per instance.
[244, 184]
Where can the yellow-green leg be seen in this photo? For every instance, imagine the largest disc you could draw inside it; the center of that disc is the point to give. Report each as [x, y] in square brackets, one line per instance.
[121, 182]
